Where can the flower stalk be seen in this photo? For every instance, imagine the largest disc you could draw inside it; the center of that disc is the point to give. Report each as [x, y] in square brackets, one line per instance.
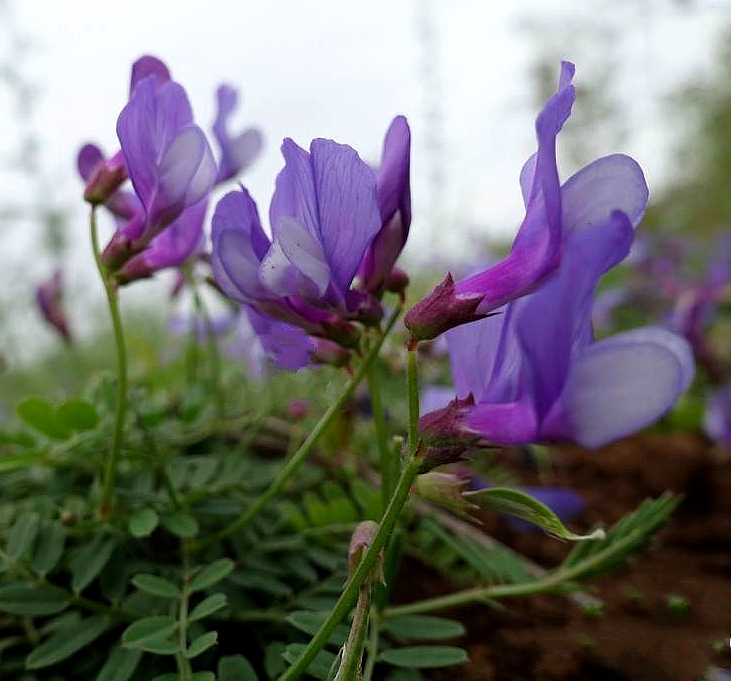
[106, 504]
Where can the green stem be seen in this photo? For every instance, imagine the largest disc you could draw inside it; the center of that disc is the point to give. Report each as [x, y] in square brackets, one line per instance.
[106, 504]
[363, 571]
[546, 584]
[215, 356]
[353, 649]
[389, 465]
[306, 447]
[412, 381]
[385, 529]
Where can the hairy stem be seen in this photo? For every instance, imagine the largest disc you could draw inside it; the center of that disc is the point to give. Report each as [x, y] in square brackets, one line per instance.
[106, 504]
[385, 529]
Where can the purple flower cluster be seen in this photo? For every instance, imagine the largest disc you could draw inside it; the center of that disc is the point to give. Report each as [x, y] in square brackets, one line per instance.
[172, 169]
[532, 372]
[337, 229]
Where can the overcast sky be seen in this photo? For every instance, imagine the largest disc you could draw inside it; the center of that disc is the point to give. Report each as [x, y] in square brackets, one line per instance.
[343, 69]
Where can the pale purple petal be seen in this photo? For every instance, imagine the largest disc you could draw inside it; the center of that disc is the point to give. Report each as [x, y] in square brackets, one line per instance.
[622, 384]
[611, 183]
[295, 195]
[472, 351]
[347, 205]
[236, 267]
[295, 265]
[556, 318]
[187, 169]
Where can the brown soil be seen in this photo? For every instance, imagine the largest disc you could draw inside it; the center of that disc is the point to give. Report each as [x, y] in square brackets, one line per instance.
[638, 636]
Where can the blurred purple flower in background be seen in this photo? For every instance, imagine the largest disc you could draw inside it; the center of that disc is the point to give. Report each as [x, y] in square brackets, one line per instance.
[49, 298]
[237, 153]
[717, 416]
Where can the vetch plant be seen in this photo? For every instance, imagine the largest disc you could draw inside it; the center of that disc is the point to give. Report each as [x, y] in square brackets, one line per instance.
[241, 527]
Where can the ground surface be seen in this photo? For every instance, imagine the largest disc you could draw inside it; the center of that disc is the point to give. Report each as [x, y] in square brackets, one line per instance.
[639, 636]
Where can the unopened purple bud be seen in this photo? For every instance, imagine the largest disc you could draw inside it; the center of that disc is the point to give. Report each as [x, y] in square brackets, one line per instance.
[104, 179]
[49, 297]
[298, 409]
[397, 281]
[441, 310]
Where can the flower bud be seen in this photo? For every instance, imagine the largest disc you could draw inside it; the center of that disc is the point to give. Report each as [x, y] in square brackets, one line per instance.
[441, 310]
[445, 489]
[360, 543]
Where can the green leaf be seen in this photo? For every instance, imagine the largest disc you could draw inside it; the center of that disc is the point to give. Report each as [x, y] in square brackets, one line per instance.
[66, 642]
[167, 677]
[77, 414]
[22, 534]
[521, 505]
[319, 667]
[142, 522]
[211, 574]
[202, 676]
[161, 646]
[310, 622]
[149, 633]
[120, 665]
[235, 668]
[424, 657]
[48, 547]
[41, 415]
[180, 523]
[90, 560]
[207, 607]
[201, 644]
[423, 627]
[157, 586]
[626, 537]
[22, 599]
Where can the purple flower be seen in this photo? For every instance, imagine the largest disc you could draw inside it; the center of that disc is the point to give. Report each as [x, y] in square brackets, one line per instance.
[237, 153]
[168, 160]
[49, 297]
[394, 202]
[551, 211]
[534, 373]
[324, 215]
[717, 417]
[695, 307]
